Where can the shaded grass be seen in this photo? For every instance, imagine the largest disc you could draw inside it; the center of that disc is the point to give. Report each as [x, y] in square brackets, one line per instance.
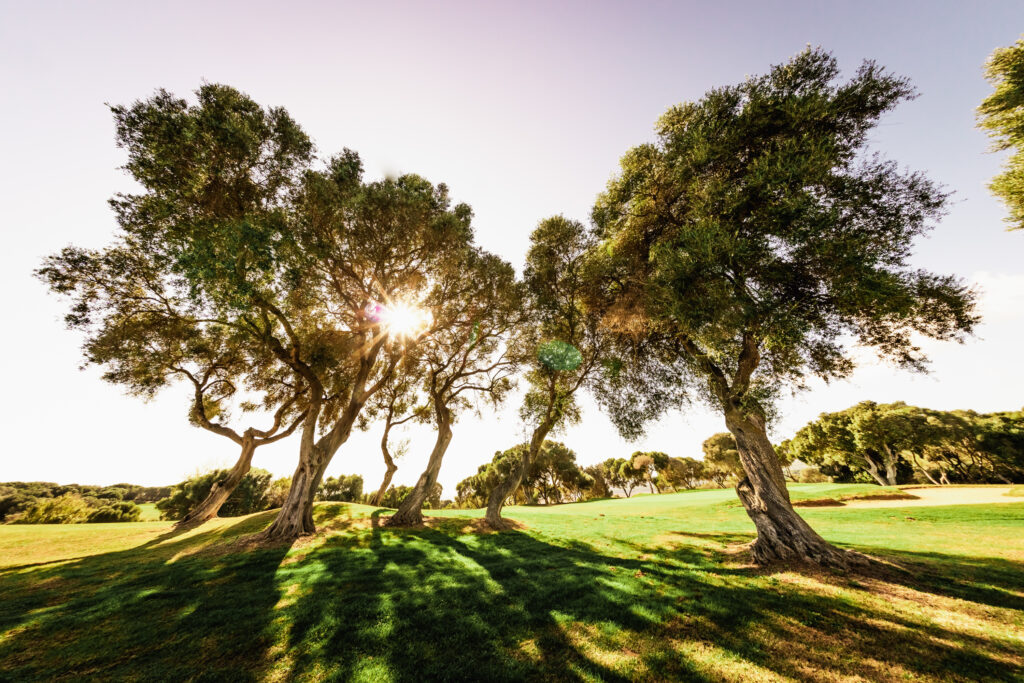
[646, 589]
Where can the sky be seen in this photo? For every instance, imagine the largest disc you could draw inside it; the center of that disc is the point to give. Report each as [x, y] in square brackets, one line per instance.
[523, 109]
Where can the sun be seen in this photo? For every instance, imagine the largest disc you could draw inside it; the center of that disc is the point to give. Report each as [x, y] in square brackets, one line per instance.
[403, 319]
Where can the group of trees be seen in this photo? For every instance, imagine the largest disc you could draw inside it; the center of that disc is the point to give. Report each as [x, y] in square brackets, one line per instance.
[40, 502]
[728, 260]
[896, 443]
[255, 491]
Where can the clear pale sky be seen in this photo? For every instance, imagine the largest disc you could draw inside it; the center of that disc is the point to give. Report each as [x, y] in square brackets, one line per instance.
[523, 109]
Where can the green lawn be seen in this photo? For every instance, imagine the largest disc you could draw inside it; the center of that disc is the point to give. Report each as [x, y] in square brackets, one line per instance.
[651, 588]
[149, 512]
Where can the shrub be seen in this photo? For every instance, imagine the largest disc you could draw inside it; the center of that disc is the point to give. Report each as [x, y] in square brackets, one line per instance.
[250, 495]
[120, 511]
[811, 475]
[67, 509]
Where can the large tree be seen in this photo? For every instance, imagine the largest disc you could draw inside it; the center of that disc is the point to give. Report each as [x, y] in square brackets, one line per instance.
[468, 356]
[756, 237]
[1002, 115]
[141, 329]
[561, 342]
[309, 263]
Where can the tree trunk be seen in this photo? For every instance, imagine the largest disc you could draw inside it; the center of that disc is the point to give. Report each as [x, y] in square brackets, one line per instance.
[295, 517]
[872, 469]
[222, 490]
[389, 462]
[379, 496]
[782, 535]
[923, 470]
[410, 512]
[508, 487]
[890, 466]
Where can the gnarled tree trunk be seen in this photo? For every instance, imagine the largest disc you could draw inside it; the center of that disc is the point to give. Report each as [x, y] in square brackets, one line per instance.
[410, 511]
[504, 489]
[782, 535]
[222, 490]
[389, 462]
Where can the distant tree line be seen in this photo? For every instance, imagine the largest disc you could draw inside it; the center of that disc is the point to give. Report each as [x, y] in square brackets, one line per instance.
[43, 502]
[896, 443]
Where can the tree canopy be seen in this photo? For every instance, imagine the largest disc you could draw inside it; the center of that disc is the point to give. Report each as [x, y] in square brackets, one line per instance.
[752, 241]
[1001, 114]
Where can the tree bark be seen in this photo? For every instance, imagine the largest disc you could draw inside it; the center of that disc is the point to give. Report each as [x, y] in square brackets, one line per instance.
[222, 490]
[296, 515]
[890, 466]
[872, 469]
[782, 535]
[389, 462]
[410, 512]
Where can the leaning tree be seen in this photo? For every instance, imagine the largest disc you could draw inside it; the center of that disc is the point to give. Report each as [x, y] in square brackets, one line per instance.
[141, 329]
[749, 244]
[476, 307]
[561, 341]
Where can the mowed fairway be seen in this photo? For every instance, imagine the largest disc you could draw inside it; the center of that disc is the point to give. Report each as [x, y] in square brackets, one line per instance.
[650, 588]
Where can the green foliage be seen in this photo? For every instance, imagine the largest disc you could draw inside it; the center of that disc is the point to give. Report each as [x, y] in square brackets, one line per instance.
[394, 496]
[553, 476]
[892, 443]
[721, 458]
[116, 502]
[1002, 115]
[69, 508]
[249, 496]
[344, 488]
[687, 473]
[121, 511]
[743, 249]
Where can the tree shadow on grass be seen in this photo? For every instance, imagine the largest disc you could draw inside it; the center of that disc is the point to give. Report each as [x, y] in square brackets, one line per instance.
[441, 604]
[423, 604]
[160, 611]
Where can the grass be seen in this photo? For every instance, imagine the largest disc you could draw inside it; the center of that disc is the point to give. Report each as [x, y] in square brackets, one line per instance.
[149, 512]
[650, 588]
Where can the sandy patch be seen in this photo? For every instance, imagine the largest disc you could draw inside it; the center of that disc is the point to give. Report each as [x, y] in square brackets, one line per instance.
[943, 495]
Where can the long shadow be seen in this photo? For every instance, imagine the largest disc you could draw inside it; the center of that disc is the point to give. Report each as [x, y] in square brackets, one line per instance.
[441, 604]
[153, 612]
[428, 604]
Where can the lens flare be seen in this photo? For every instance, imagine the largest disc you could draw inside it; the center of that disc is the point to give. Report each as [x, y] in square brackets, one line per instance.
[403, 319]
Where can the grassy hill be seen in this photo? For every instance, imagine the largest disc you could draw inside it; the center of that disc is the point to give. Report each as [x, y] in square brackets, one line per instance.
[650, 588]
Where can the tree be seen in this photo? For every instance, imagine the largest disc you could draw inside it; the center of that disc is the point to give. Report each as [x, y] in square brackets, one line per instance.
[344, 488]
[475, 306]
[305, 263]
[879, 440]
[721, 458]
[685, 472]
[741, 250]
[650, 463]
[398, 402]
[561, 341]
[141, 329]
[250, 495]
[1002, 115]
[554, 472]
[599, 485]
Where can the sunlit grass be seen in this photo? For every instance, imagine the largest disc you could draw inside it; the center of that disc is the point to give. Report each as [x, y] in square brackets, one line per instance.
[654, 588]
